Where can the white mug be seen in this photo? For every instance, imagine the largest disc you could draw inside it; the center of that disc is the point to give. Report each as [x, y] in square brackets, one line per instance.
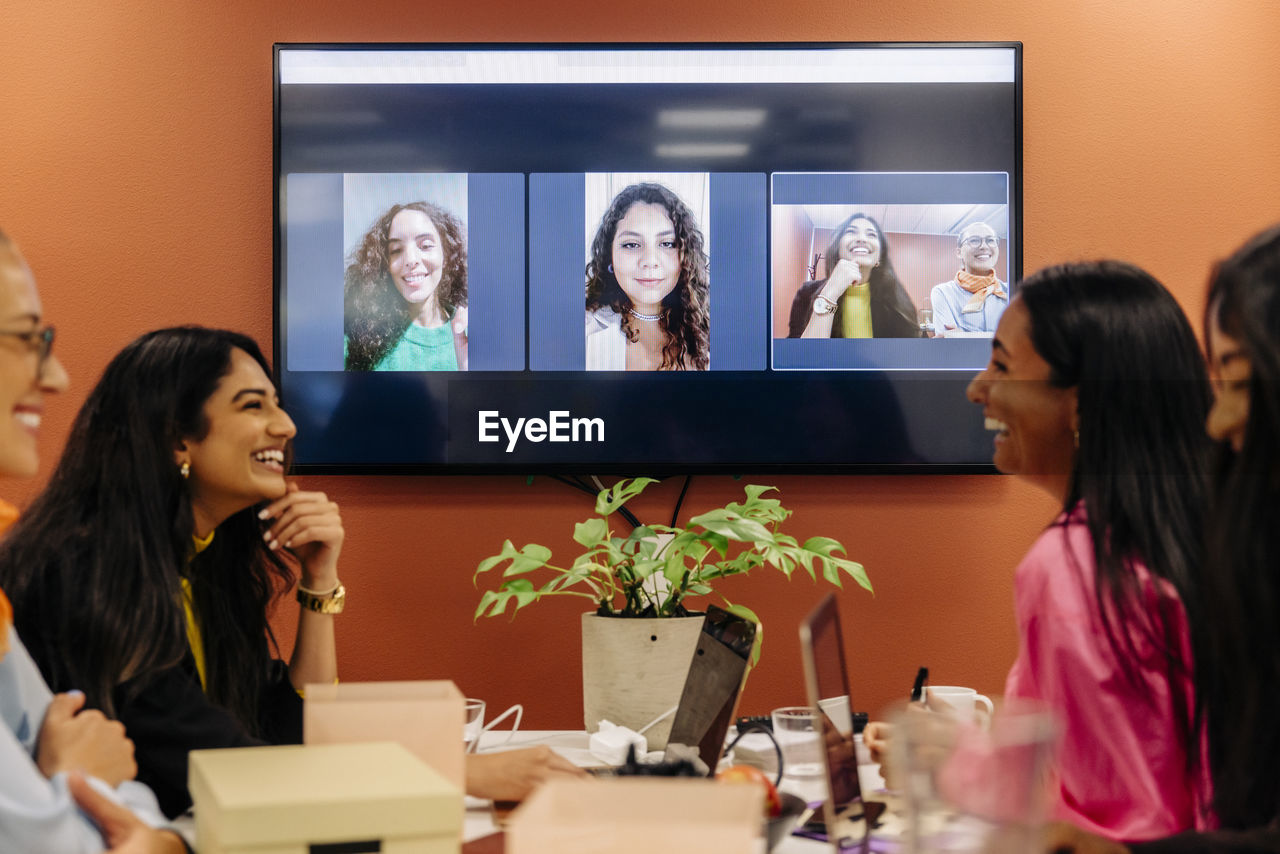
[961, 703]
[474, 725]
[837, 709]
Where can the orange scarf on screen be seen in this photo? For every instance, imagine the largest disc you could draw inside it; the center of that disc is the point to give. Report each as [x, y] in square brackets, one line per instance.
[981, 287]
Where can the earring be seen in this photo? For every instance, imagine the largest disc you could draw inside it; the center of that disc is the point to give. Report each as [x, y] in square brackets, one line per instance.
[1075, 435]
[185, 470]
[610, 268]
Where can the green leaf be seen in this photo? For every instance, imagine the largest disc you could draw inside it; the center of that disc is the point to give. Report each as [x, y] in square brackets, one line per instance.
[747, 614]
[508, 551]
[644, 567]
[531, 557]
[733, 526]
[591, 532]
[623, 491]
[522, 589]
[823, 545]
[754, 491]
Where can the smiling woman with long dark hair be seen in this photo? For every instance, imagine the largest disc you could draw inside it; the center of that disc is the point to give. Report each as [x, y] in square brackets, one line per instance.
[860, 295]
[144, 572]
[1097, 395]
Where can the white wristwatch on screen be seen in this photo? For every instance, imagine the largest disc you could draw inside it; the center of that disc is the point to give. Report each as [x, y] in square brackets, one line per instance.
[822, 305]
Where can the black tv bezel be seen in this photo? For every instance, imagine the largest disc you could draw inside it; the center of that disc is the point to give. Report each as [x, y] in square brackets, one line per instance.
[654, 469]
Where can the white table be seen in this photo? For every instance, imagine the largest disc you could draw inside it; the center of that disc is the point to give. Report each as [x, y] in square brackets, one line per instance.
[572, 745]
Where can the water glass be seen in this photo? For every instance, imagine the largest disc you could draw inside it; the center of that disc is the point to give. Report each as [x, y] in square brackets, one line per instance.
[970, 789]
[798, 734]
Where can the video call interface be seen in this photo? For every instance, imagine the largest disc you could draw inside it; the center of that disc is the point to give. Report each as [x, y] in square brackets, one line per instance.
[492, 258]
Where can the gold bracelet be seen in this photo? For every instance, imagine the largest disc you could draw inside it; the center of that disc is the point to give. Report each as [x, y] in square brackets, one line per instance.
[332, 590]
[331, 604]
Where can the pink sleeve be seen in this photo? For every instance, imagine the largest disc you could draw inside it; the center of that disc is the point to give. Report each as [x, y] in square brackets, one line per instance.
[1121, 764]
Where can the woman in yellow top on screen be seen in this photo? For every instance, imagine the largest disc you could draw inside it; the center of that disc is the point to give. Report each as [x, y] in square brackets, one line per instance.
[860, 297]
[405, 293]
[647, 286]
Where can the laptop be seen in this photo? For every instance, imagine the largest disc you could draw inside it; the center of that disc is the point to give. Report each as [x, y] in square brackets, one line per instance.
[710, 696]
[843, 820]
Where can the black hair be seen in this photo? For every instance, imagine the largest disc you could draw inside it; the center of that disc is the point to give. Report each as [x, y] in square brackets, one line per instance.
[375, 314]
[893, 314]
[1236, 628]
[1117, 336]
[685, 318]
[94, 567]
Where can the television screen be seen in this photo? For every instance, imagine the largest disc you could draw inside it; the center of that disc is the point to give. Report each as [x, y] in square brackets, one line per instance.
[667, 258]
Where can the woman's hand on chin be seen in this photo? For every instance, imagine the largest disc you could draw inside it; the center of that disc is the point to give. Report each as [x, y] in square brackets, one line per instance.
[845, 275]
[309, 525]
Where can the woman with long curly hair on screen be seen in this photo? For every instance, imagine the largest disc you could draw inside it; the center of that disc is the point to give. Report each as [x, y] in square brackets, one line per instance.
[860, 296]
[647, 286]
[405, 293]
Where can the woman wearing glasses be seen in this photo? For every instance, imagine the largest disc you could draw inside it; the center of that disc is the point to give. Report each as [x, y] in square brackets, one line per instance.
[970, 304]
[48, 743]
[860, 297]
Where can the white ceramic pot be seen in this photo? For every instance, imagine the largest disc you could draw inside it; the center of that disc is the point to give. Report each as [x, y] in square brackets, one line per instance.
[634, 670]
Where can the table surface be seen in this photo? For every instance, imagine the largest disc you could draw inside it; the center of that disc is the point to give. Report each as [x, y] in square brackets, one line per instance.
[572, 745]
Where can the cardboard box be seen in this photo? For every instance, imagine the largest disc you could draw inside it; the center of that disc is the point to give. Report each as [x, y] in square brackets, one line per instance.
[426, 717]
[283, 800]
[638, 815]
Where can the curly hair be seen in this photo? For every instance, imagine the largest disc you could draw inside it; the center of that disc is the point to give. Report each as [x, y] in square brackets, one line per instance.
[685, 317]
[376, 315]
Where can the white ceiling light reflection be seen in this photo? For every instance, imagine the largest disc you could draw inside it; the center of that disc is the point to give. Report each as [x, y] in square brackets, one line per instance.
[742, 119]
[702, 149]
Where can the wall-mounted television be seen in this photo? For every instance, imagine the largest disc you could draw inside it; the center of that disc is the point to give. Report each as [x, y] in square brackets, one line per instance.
[642, 258]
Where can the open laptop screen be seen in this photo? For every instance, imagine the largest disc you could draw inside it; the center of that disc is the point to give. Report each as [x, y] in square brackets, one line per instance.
[827, 682]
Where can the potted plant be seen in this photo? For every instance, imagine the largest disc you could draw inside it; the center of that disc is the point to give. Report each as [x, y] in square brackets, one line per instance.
[636, 652]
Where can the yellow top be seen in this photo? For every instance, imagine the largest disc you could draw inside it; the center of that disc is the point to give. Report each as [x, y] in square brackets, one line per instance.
[855, 312]
[193, 626]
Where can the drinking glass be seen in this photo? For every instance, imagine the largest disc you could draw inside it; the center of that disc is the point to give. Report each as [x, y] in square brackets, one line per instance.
[969, 789]
[796, 729]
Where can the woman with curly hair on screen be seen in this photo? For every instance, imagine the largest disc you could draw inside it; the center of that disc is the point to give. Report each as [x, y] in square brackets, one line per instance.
[406, 293]
[647, 288]
[860, 297]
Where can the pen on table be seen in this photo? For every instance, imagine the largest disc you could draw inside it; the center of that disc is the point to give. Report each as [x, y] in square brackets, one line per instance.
[917, 687]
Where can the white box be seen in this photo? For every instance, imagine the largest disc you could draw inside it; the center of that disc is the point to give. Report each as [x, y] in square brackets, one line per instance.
[426, 717]
[638, 815]
[282, 800]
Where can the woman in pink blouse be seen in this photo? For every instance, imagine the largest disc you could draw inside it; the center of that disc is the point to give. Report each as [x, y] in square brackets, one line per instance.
[1097, 394]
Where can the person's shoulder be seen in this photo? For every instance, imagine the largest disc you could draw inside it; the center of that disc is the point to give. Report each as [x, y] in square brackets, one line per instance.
[1061, 558]
[603, 317]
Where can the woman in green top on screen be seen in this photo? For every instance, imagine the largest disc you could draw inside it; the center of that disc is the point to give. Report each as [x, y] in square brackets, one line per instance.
[406, 293]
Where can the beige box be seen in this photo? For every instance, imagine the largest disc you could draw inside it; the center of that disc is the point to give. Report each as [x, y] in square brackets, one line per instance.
[638, 815]
[283, 800]
[427, 717]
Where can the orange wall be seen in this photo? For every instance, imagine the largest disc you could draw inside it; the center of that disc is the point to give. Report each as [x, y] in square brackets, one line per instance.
[135, 143]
